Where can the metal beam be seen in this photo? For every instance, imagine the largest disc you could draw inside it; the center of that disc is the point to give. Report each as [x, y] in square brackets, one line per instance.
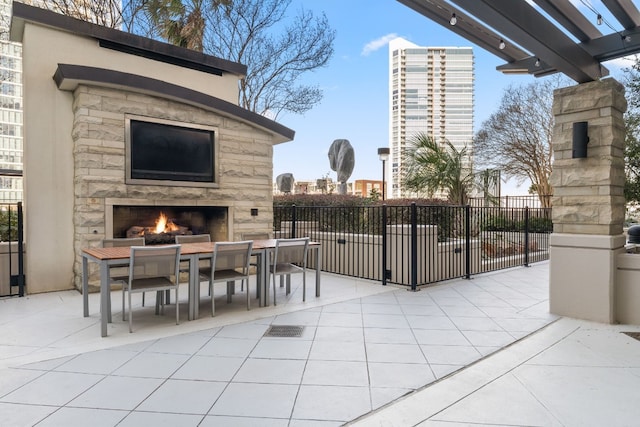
[567, 15]
[624, 11]
[529, 29]
[440, 12]
[603, 49]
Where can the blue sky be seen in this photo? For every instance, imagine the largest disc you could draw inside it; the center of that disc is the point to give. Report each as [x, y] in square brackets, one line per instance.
[355, 86]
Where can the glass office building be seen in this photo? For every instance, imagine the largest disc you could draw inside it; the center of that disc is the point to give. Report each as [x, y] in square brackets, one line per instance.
[430, 91]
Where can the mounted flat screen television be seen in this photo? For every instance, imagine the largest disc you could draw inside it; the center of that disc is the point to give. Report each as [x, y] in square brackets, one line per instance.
[162, 152]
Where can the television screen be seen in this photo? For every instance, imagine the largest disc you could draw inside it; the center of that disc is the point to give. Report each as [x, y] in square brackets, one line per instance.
[160, 151]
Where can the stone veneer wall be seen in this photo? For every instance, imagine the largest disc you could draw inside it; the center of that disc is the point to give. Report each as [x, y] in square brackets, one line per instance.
[588, 202]
[244, 166]
[588, 193]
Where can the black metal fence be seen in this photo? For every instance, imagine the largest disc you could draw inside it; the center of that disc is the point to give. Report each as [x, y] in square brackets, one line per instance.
[531, 201]
[416, 245]
[12, 278]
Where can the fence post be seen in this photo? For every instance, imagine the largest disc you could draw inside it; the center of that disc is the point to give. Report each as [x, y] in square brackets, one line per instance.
[21, 282]
[414, 246]
[384, 245]
[293, 222]
[467, 237]
[526, 236]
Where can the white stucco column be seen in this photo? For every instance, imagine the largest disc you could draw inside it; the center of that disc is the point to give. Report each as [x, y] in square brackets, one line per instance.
[588, 202]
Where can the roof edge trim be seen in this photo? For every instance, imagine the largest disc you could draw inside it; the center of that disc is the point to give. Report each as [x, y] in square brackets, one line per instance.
[67, 77]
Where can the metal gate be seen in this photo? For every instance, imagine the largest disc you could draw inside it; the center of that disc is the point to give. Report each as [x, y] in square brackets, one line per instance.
[12, 279]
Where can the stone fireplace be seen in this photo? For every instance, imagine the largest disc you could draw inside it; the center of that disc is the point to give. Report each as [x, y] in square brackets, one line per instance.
[82, 182]
[142, 221]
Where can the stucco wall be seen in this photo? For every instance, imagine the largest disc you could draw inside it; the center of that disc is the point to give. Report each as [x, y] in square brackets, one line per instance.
[74, 152]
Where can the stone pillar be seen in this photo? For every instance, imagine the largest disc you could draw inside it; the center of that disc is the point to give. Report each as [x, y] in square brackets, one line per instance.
[588, 202]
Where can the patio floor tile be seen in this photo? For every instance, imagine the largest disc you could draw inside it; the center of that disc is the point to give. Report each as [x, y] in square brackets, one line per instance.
[256, 400]
[184, 397]
[52, 388]
[117, 393]
[326, 403]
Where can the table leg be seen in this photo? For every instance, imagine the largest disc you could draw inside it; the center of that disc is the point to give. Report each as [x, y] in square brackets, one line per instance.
[85, 286]
[104, 297]
[263, 277]
[194, 287]
[318, 268]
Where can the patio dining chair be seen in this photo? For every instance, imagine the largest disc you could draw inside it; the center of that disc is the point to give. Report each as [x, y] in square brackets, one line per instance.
[204, 266]
[229, 262]
[153, 268]
[254, 236]
[117, 274]
[289, 257]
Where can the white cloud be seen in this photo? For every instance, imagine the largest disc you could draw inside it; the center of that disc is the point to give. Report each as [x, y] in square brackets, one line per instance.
[378, 43]
[620, 63]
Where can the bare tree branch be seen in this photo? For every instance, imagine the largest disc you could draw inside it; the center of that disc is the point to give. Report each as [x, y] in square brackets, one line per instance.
[276, 48]
[517, 138]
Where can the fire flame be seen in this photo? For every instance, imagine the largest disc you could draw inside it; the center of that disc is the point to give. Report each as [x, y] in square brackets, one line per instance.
[163, 225]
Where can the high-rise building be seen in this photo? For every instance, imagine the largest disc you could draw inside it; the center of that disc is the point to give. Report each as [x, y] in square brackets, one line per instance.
[430, 91]
[11, 89]
[10, 111]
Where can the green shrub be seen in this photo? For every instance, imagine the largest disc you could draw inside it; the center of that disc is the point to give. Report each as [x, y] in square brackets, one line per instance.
[499, 223]
[8, 225]
[539, 225]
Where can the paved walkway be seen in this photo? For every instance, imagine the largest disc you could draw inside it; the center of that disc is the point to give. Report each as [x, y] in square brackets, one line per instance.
[363, 348]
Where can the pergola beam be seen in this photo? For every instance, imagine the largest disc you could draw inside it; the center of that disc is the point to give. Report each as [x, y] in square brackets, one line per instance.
[527, 27]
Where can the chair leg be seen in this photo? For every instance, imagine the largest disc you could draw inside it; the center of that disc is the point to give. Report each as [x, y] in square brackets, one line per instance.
[158, 301]
[124, 317]
[248, 296]
[288, 284]
[213, 301]
[304, 285]
[281, 281]
[177, 308]
[274, 289]
[130, 315]
[231, 286]
[142, 298]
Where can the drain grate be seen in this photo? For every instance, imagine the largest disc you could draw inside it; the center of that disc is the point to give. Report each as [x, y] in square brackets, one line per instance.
[284, 331]
[635, 335]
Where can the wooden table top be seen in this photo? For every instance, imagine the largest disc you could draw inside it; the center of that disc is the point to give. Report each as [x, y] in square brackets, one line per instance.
[122, 252]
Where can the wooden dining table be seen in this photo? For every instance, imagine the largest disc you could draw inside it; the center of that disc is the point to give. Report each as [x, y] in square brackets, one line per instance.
[191, 252]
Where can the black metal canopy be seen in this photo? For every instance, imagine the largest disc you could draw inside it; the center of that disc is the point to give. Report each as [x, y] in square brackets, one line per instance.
[550, 38]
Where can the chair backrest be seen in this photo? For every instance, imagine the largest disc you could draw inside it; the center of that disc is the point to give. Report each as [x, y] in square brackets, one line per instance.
[123, 242]
[154, 261]
[232, 255]
[256, 236]
[193, 238]
[292, 251]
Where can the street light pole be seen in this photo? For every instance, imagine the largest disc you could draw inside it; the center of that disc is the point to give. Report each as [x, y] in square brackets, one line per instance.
[383, 153]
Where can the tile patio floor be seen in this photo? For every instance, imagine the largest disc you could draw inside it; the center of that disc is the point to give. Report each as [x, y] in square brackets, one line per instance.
[369, 355]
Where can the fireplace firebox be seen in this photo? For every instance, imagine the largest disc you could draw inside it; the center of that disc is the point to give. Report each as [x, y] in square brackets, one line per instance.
[160, 224]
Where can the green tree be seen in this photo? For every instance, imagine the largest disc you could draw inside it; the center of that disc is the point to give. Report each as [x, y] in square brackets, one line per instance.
[632, 136]
[375, 194]
[432, 167]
